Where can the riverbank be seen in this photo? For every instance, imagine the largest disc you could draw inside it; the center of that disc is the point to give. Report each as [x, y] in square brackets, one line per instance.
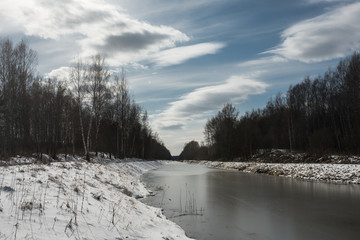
[333, 173]
[80, 200]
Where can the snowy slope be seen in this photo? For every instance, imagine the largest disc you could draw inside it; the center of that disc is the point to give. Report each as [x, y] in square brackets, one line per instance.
[80, 200]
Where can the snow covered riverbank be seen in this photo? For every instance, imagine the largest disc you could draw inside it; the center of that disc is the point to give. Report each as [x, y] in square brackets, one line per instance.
[335, 173]
[80, 200]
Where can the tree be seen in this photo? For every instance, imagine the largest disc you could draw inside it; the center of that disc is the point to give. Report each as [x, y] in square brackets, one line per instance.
[122, 110]
[190, 151]
[220, 132]
[17, 66]
[98, 76]
[77, 79]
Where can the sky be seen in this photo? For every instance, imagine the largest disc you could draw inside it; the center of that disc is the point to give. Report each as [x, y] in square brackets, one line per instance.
[185, 59]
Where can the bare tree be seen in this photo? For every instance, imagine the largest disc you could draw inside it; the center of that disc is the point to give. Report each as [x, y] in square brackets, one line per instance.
[122, 110]
[98, 78]
[78, 83]
[17, 66]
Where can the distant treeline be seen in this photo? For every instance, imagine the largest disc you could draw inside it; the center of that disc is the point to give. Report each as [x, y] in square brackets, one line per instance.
[320, 114]
[90, 111]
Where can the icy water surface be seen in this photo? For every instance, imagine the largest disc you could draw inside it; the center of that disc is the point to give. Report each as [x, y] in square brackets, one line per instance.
[217, 204]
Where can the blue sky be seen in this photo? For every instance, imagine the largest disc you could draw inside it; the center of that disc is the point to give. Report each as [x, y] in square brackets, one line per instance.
[185, 59]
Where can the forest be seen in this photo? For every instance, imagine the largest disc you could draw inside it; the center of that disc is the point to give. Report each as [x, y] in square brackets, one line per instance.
[90, 112]
[319, 115]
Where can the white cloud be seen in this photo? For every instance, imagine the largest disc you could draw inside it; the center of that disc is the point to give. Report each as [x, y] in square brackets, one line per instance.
[87, 27]
[331, 35]
[201, 100]
[181, 54]
[98, 26]
[204, 100]
[59, 73]
[93, 25]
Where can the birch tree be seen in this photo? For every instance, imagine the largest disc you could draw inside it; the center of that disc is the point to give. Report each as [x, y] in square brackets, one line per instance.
[78, 84]
[98, 78]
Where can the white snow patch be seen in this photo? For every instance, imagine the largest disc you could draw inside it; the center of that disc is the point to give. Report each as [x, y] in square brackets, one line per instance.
[80, 200]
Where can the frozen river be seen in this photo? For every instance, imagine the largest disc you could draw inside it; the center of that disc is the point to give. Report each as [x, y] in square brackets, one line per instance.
[217, 204]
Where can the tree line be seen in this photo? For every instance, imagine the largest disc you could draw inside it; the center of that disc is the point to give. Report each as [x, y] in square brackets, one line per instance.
[90, 111]
[320, 114]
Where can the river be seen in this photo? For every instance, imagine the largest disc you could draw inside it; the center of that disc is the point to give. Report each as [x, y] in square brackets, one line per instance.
[218, 204]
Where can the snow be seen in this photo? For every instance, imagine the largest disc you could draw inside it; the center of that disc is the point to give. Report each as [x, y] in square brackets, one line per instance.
[80, 200]
[334, 173]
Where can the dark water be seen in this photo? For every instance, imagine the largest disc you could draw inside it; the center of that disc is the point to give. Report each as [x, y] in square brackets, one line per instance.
[215, 204]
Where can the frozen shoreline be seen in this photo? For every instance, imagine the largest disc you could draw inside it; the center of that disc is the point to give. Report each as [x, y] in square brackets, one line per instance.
[80, 200]
[332, 173]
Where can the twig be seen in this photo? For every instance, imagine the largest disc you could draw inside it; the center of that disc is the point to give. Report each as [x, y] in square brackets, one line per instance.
[83, 197]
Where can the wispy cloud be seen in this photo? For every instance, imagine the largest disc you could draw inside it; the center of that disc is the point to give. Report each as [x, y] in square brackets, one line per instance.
[331, 35]
[150, 8]
[179, 55]
[205, 100]
[264, 61]
[327, 1]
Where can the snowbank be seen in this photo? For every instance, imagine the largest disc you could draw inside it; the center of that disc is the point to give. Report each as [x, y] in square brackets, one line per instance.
[284, 156]
[335, 173]
[80, 200]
